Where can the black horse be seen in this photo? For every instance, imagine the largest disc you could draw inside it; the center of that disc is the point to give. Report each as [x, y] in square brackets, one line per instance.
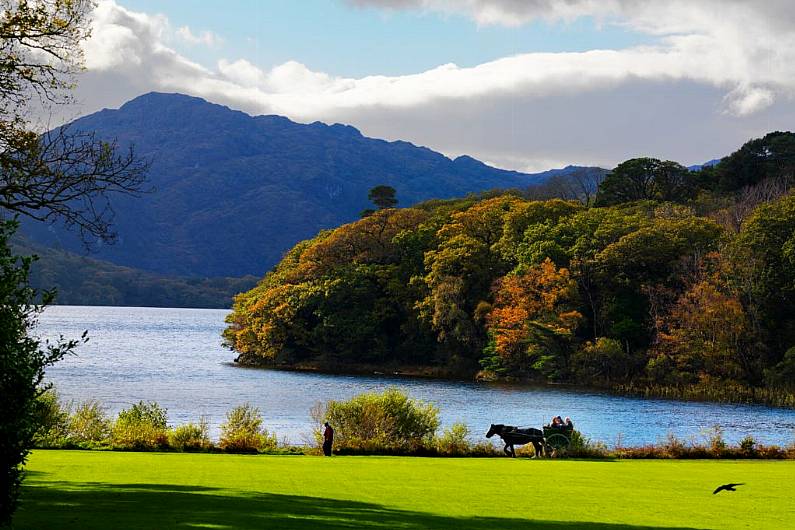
[516, 436]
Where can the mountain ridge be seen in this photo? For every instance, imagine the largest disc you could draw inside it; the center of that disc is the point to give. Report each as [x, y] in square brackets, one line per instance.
[234, 191]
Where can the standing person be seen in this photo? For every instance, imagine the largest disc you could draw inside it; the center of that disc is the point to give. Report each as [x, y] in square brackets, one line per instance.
[328, 439]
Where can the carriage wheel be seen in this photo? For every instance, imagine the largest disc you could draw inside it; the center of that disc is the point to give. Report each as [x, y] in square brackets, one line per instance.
[558, 443]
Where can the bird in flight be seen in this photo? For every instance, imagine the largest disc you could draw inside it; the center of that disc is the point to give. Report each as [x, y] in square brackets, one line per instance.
[727, 487]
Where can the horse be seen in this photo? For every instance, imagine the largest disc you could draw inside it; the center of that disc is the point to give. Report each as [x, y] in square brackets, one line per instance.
[515, 436]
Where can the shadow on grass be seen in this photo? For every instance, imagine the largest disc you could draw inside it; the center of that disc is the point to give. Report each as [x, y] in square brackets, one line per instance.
[125, 506]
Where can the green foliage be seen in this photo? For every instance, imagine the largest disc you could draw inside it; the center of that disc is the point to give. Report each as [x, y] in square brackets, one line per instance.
[89, 424]
[758, 159]
[453, 441]
[389, 421]
[645, 179]
[190, 436]
[23, 359]
[242, 432]
[53, 420]
[604, 360]
[783, 373]
[143, 426]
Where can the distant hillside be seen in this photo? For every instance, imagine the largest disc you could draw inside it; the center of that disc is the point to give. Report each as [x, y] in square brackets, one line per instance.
[85, 281]
[233, 192]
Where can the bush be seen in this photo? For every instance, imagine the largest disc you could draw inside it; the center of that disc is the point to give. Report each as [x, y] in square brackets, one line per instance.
[142, 426]
[243, 432]
[89, 424]
[190, 436]
[715, 442]
[453, 442]
[386, 422]
[52, 419]
[748, 447]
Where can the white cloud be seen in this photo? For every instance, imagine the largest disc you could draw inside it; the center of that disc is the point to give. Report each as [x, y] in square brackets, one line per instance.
[207, 38]
[740, 53]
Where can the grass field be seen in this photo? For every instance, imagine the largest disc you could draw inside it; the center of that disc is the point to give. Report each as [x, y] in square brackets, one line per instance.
[87, 490]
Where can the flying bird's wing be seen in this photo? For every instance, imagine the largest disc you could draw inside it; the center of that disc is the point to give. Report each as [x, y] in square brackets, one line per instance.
[727, 487]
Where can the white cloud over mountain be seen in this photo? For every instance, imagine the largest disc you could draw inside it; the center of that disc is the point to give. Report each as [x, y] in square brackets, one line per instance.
[736, 58]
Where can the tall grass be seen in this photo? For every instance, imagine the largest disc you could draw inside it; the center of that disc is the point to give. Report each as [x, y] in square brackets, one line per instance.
[725, 393]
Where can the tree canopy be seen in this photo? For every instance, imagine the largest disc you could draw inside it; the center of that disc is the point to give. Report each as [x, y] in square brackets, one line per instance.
[665, 280]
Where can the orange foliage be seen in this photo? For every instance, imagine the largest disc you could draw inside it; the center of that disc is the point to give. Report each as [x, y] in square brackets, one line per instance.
[542, 296]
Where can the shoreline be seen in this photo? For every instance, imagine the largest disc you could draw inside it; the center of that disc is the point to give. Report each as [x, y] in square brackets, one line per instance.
[752, 396]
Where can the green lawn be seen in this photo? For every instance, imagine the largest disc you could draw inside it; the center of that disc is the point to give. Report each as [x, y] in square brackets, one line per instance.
[113, 490]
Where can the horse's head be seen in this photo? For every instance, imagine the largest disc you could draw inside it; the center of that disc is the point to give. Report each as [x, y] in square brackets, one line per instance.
[494, 429]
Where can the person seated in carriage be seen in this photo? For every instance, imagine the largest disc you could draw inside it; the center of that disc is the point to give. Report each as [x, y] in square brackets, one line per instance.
[558, 423]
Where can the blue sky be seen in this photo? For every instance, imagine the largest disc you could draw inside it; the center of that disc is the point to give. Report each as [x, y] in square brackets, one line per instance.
[332, 36]
[519, 84]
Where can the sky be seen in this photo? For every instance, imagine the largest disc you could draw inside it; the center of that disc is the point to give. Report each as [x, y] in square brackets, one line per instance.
[520, 84]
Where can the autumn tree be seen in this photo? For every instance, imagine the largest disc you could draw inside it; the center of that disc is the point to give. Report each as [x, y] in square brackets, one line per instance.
[460, 271]
[705, 337]
[532, 321]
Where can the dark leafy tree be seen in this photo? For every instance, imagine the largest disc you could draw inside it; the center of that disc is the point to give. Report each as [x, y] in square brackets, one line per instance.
[645, 179]
[772, 156]
[63, 175]
[22, 363]
[383, 197]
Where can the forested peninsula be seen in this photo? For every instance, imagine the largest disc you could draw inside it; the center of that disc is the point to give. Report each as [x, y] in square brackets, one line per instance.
[668, 282]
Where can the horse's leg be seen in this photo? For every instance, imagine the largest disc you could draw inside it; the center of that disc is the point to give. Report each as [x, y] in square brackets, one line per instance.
[513, 452]
[505, 449]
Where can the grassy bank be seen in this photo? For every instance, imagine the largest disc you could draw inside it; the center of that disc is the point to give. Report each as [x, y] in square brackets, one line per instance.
[86, 490]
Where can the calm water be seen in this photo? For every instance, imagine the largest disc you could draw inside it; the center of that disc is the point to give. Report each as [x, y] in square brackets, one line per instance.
[175, 357]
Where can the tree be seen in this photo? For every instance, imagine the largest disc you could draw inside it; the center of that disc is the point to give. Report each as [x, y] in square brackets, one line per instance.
[383, 197]
[65, 174]
[772, 156]
[22, 363]
[532, 321]
[643, 179]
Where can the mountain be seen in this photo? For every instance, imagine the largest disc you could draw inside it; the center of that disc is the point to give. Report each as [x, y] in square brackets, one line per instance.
[233, 192]
[80, 280]
[699, 167]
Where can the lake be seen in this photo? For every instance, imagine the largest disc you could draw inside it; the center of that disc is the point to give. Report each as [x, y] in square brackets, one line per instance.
[175, 357]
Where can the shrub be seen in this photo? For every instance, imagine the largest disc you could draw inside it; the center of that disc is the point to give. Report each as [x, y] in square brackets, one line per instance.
[190, 436]
[243, 432]
[52, 419]
[142, 426]
[748, 447]
[89, 424]
[715, 442]
[673, 447]
[385, 422]
[453, 442]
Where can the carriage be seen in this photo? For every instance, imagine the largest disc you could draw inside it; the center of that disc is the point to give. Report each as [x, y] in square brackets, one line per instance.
[551, 439]
[557, 438]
